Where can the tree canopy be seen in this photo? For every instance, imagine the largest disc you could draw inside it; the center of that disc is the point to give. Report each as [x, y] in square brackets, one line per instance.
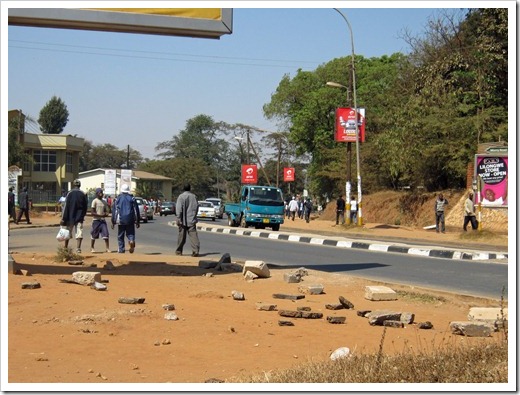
[54, 116]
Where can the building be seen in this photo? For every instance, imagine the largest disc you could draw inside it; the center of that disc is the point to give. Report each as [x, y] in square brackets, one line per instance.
[54, 165]
[142, 182]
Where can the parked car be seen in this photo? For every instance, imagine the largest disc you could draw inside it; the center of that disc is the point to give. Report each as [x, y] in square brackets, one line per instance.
[167, 208]
[206, 210]
[145, 209]
[219, 207]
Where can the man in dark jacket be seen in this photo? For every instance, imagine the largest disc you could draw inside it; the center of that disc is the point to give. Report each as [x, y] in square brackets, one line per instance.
[74, 213]
[125, 213]
[10, 204]
[23, 204]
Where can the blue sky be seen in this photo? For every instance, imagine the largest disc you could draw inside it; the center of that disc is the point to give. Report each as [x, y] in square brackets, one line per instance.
[141, 89]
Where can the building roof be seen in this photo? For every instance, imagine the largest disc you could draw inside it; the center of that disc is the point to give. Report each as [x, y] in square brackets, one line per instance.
[136, 174]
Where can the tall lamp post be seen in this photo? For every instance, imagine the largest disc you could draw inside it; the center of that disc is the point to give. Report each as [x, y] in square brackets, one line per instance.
[359, 216]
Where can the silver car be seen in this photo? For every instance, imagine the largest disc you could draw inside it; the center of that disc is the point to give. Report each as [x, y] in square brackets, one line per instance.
[206, 210]
[145, 209]
[219, 207]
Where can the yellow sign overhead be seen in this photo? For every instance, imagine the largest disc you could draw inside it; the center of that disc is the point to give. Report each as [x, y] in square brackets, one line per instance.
[201, 13]
[189, 22]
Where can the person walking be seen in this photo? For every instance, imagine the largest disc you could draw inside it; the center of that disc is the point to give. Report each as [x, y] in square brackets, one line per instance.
[340, 210]
[469, 213]
[440, 206]
[187, 208]
[11, 205]
[353, 210]
[293, 207]
[61, 201]
[125, 213]
[23, 205]
[308, 209]
[99, 224]
[74, 212]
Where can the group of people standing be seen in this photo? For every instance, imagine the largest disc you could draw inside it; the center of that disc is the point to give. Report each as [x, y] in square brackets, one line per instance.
[299, 207]
[469, 213]
[341, 207]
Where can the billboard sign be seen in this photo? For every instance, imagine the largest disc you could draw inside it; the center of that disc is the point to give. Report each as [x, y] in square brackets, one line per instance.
[126, 179]
[110, 182]
[491, 173]
[345, 126]
[288, 174]
[249, 174]
[188, 22]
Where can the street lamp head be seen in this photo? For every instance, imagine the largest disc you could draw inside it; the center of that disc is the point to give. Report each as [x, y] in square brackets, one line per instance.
[335, 85]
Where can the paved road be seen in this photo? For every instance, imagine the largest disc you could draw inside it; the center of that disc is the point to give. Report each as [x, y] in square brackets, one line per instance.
[475, 278]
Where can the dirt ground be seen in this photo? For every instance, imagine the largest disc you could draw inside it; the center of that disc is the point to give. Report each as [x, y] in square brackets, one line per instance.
[70, 333]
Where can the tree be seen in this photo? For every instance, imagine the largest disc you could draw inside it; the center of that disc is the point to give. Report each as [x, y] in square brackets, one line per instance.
[53, 116]
[108, 156]
[15, 154]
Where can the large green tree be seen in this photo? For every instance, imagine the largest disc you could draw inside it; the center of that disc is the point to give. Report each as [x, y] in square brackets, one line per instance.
[54, 116]
[108, 156]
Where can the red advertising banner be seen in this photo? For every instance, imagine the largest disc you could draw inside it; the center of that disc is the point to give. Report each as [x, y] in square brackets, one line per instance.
[249, 174]
[345, 128]
[288, 174]
[491, 171]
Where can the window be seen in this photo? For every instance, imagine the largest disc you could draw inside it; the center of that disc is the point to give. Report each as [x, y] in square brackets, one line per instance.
[44, 160]
[68, 162]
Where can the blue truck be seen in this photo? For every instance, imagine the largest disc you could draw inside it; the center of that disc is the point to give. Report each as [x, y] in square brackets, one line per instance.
[259, 206]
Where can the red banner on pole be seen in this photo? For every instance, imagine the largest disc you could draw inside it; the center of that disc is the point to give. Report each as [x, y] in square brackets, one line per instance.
[346, 124]
[249, 174]
[288, 174]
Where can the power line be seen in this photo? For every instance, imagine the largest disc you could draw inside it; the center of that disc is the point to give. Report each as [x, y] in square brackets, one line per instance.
[134, 56]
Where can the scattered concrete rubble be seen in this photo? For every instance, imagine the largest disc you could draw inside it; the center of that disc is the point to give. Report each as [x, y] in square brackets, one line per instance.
[379, 317]
[336, 320]
[127, 300]
[295, 276]
[99, 286]
[171, 316]
[265, 306]
[314, 289]
[472, 328]
[300, 314]
[379, 292]
[345, 303]
[287, 296]
[168, 307]
[259, 268]
[86, 278]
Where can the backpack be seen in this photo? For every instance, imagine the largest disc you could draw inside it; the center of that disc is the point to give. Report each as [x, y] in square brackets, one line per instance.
[125, 212]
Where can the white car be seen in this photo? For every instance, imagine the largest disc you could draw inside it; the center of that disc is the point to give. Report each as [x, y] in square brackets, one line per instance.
[207, 210]
[219, 207]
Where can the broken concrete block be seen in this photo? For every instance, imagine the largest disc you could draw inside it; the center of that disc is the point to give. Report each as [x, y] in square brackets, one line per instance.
[250, 276]
[393, 324]
[265, 306]
[380, 316]
[259, 268]
[336, 320]
[171, 316]
[314, 289]
[33, 285]
[86, 278]
[291, 278]
[346, 303]
[341, 352]
[203, 264]
[126, 300]
[488, 314]
[472, 328]
[379, 292]
[407, 318]
[425, 325]
[238, 295]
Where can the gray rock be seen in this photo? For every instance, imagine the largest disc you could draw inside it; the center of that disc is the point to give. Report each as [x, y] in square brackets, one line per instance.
[126, 300]
[75, 262]
[363, 313]
[265, 306]
[303, 308]
[203, 264]
[334, 306]
[380, 316]
[292, 278]
[336, 320]
[314, 289]
[238, 295]
[86, 278]
[259, 268]
[393, 324]
[286, 296]
[407, 318]
[171, 316]
[109, 266]
[168, 307]
[285, 323]
[225, 258]
[346, 303]
[33, 285]
[99, 286]
[472, 328]
[425, 325]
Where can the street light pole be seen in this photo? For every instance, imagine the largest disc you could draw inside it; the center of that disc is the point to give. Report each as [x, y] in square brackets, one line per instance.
[359, 217]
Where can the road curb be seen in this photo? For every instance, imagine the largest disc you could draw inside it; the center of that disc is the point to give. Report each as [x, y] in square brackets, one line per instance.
[370, 246]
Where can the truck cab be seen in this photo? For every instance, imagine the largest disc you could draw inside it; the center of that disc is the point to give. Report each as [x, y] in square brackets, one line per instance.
[259, 206]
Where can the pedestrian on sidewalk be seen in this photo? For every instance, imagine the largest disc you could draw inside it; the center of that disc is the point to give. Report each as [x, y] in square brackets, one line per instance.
[74, 212]
[440, 206]
[11, 205]
[99, 224]
[187, 207]
[308, 209]
[23, 205]
[293, 207]
[340, 210]
[469, 213]
[125, 213]
[353, 210]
